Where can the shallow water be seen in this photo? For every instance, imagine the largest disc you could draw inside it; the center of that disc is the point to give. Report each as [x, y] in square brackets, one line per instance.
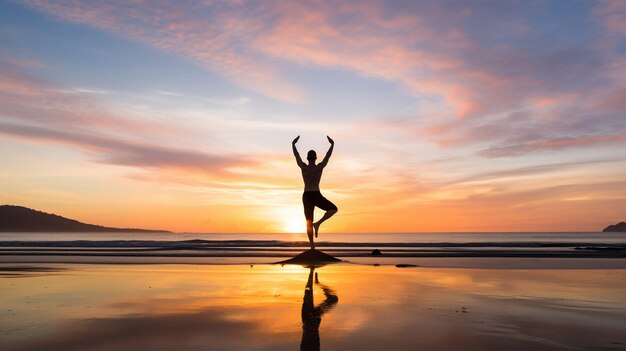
[268, 307]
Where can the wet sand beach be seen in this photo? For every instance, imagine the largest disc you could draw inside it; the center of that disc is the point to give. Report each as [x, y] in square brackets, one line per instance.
[335, 307]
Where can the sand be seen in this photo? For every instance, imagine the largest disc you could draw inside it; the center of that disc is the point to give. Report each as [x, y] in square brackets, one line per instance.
[348, 307]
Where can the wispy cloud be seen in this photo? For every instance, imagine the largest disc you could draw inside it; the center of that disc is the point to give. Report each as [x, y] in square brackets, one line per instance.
[611, 13]
[36, 110]
[30, 100]
[521, 86]
[489, 81]
[129, 153]
[553, 144]
[215, 35]
[430, 48]
[539, 93]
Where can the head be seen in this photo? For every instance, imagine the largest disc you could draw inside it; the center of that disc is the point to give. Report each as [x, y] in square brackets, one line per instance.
[311, 156]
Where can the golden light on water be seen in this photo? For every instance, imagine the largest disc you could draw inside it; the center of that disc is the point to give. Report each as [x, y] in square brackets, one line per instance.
[236, 306]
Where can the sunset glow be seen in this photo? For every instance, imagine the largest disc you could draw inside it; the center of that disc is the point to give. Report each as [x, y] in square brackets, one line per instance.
[294, 225]
[490, 116]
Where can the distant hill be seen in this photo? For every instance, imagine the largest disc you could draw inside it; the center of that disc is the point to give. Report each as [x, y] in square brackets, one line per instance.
[23, 219]
[619, 227]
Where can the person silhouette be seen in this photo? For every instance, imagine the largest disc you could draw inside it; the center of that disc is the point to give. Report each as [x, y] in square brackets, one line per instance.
[312, 197]
[311, 315]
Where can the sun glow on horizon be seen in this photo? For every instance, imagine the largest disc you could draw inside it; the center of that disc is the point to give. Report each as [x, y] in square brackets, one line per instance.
[294, 225]
[291, 220]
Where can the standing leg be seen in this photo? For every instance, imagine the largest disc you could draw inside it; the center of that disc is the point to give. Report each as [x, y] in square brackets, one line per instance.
[309, 207]
[309, 232]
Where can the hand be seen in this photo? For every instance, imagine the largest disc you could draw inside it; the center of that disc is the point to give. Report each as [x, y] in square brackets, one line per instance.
[330, 140]
[295, 140]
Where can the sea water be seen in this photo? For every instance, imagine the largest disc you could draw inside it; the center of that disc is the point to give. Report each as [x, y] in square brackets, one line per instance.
[353, 238]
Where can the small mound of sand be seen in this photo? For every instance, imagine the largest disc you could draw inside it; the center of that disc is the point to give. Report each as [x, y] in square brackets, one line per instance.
[311, 257]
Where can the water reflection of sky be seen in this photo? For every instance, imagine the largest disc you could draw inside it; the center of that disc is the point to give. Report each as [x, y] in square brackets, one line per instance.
[167, 307]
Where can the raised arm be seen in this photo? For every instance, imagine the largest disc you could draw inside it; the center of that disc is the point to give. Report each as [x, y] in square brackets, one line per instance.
[328, 153]
[295, 152]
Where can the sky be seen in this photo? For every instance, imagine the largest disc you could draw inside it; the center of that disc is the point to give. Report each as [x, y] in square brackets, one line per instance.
[447, 115]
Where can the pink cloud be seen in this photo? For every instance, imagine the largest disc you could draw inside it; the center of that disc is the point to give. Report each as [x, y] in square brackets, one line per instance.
[118, 151]
[216, 41]
[518, 101]
[38, 111]
[358, 36]
[612, 13]
[29, 100]
[425, 47]
[553, 144]
[551, 123]
[491, 89]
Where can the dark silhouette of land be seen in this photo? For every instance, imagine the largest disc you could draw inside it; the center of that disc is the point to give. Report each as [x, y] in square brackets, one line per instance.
[619, 227]
[312, 315]
[312, 197]
[23, 219]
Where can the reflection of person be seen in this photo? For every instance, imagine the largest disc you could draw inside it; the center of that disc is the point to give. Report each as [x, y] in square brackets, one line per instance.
[311, 198]
[311, 315]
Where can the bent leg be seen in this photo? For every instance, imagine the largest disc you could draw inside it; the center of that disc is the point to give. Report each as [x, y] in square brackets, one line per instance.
[330, 209]
[326, 216]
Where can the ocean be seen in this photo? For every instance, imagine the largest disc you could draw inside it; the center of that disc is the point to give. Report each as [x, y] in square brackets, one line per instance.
[510, 238]
[209, 247]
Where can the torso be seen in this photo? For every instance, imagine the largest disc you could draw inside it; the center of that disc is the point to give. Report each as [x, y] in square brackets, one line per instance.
[312, 176]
